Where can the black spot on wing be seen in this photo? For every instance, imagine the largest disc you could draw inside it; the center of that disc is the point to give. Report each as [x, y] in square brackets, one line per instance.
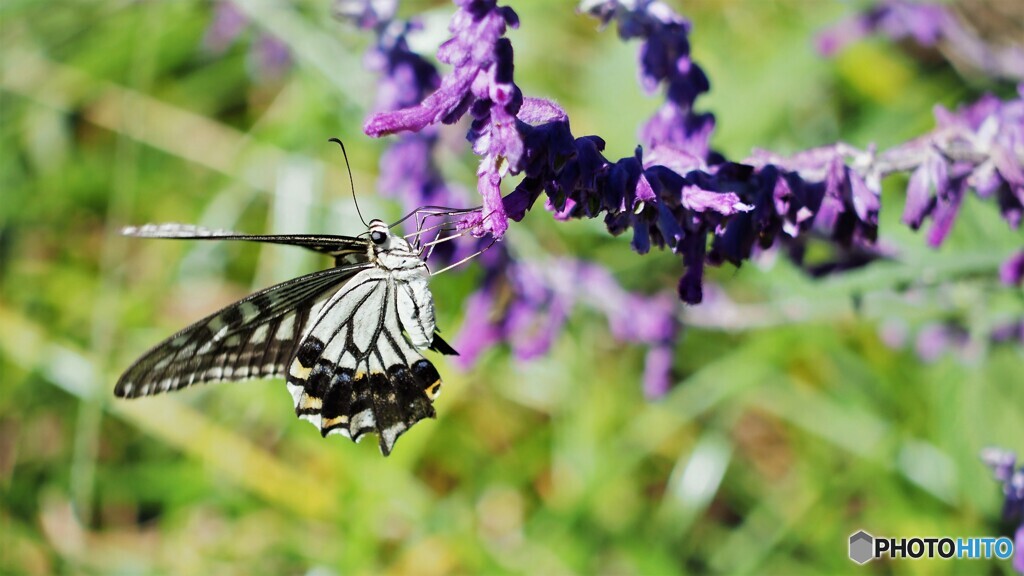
[232, 316]
[316, 386]
[337, 404]
[362, 401]
[340, 394]
[398, 404]
[309, 352]
[427, 377]
[263, 304]
[411, 399]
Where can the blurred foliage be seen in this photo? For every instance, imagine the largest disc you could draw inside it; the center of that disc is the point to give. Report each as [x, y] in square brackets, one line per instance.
[792, 426]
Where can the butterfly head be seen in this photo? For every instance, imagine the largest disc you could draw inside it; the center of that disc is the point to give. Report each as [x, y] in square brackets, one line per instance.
[379, 234]
[390, 251]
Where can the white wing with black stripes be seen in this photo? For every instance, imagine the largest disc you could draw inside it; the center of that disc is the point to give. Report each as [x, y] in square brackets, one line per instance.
[347, 339]
[356, 371]
[252, 338]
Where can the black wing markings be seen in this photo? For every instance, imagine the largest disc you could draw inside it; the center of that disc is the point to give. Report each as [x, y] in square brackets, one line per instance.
[396, 385]
[187, 357]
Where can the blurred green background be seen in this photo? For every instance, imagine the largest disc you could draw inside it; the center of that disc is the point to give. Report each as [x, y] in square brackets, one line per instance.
[792, 425]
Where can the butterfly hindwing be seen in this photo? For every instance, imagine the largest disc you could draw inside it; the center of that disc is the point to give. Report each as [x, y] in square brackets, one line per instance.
[252, 338]
[356, 371]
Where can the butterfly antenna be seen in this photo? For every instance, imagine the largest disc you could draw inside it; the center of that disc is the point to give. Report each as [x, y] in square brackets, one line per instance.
[351, 182]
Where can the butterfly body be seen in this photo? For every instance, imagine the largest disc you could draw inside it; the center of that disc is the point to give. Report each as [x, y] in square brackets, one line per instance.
[347, 339]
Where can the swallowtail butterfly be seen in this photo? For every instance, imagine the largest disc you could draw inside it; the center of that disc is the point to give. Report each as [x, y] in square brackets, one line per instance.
[347, 339]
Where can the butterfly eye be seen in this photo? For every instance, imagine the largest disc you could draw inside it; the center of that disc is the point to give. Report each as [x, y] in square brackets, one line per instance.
[378, 237]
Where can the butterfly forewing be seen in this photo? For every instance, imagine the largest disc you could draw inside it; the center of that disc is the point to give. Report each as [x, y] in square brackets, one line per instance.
[344, 249]
[252, 338]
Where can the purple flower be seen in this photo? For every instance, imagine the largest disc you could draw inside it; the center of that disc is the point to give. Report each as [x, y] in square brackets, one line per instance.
[479, 331]
[480, 82]
[269, 58]
[367, 14]
[673, 192]
[1012, 271]
[408, 172]
[930, 25]
[929, 180]
[228, 24]
[512, 134]
[406, 78]
[935, 339]
[835, 190]
[664, 59]
[897, 19]
[679, 193]
[979, 147]
[1012, 332]
[1004, 468]
[537, 299]
[663, 207]
[1018, 546]
[472, 51]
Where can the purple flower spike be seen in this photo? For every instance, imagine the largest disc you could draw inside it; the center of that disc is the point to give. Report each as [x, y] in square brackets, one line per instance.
[538, 298]
[269, 58]
[1004, 468]
[512, 134]
[408, 172]
[664, 57]
[895, 18]
[930, 24]
[228, 24]
[1018, 546]
[1012, 332]
[673, 192]
[476, 28]
[927, 181]
[481, 82]
[495, 220]
[657, 371]
[366, 14]
[934, 340]
[1012, 271]
[980, 147]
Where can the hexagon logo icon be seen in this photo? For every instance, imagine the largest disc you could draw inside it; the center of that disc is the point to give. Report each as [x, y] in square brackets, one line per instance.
[861, 547]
